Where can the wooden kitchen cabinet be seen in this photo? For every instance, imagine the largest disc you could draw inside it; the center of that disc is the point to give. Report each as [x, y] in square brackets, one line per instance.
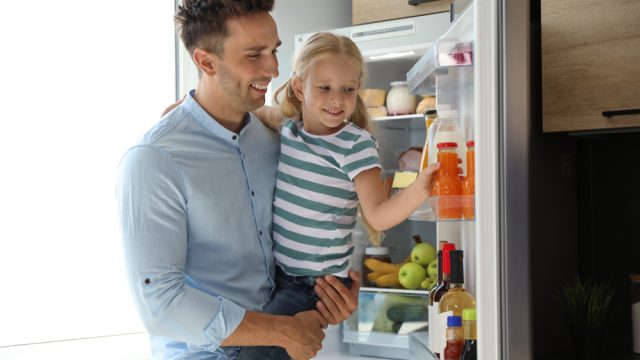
[590, 64]
[368, 11]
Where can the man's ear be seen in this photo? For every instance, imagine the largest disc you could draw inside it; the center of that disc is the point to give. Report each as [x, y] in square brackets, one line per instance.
[296, 84]
[205, 61]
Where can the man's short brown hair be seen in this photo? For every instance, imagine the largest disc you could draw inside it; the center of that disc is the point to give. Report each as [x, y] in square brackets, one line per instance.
[203, 23]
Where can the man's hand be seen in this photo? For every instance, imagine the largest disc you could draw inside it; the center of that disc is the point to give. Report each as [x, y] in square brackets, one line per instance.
[337, 302]
[304, 339]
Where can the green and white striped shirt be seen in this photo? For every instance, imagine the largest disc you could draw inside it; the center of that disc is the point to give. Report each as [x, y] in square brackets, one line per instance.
[315, 204]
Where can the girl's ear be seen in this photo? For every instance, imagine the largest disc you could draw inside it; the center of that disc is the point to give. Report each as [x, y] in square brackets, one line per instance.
[205, 61]
[296, 85]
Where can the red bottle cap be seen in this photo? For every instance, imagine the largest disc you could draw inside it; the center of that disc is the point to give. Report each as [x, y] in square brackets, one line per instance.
[447, 145]
[446, 259]
[471, 143]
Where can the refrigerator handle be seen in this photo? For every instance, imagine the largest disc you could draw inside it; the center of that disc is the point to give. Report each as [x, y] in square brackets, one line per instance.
[612, 113]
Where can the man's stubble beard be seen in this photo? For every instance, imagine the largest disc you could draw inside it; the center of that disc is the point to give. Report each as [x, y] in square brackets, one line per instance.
[233, 86]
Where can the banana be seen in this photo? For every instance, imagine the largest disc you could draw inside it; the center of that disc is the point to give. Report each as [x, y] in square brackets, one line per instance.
[376, 265]
[388, 280]
[384, 274]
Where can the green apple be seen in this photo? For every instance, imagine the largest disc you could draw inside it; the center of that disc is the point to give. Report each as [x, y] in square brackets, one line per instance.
[427, 283]
[432, 269]
[423, 254]
[411, 275]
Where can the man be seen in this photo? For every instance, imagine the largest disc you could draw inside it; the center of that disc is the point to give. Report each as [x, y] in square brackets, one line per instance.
[195, 199]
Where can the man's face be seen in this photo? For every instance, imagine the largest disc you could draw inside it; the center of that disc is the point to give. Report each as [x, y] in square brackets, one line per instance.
[248, 62]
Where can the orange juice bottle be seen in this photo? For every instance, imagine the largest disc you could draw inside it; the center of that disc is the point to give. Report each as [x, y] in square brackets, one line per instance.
[469, 184]
[429, 116]
[447, 184]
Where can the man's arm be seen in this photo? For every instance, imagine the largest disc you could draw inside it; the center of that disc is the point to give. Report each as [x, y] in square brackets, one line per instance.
[153, 218]
[300, 335]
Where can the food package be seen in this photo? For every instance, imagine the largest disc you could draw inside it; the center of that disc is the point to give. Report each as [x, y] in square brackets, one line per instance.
[428, 102]
[375, 112]
[372, 97]
[410, 159]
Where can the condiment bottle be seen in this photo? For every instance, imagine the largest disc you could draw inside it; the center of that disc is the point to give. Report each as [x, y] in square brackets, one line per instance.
[447, 185]
[469, 184]
[455, 339]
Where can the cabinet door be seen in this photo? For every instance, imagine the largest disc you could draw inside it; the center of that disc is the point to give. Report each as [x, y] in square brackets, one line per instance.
[590, 63]
[367, 11]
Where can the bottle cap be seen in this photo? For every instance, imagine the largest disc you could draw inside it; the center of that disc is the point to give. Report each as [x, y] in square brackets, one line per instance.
[447, 145]
[397, 83]
[469, 314]
[431, 112]
[376, 250]
[471, 143]
[454, 321]
[456, 266]
[446, 262]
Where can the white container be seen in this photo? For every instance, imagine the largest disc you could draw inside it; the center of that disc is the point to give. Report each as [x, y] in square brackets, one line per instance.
[399, 100]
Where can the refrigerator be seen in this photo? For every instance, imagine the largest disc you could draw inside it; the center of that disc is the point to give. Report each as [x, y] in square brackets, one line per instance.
[491, 94]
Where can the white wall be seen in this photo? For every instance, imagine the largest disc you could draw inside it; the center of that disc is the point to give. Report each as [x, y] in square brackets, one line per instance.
[302, 16]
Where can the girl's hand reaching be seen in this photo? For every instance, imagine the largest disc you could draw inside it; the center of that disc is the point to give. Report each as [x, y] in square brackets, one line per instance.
[424, 181]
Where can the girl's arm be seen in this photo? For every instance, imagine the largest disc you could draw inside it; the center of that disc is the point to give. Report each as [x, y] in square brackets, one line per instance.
[270, 116]
[383, 213]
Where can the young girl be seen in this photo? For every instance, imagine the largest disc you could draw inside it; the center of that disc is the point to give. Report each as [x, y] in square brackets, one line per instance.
[329, 164]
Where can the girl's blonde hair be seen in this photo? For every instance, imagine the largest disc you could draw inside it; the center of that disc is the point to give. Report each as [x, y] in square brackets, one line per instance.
[320, 45]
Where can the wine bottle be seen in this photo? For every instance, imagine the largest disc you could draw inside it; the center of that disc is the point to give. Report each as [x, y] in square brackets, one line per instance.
[432, 310]
[454, 301]
[437, 323]
[470, 338]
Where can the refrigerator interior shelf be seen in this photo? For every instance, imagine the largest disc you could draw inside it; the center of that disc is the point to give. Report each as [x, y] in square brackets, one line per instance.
[418, 349]
[448, 65]
[383, 321]
[428, 211]
[400, 122]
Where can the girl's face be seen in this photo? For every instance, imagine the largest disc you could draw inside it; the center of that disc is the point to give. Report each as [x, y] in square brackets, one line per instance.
[328, 94]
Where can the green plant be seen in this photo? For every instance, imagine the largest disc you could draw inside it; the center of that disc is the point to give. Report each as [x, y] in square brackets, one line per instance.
[586, 304]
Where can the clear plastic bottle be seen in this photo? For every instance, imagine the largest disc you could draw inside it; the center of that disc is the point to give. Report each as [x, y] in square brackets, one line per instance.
[448, 129]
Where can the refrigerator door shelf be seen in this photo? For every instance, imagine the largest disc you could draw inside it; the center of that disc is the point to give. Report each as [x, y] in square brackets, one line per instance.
[428, 210]
[448, 64]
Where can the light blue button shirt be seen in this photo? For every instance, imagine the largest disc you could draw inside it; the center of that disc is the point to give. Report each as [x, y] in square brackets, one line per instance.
[195, 204]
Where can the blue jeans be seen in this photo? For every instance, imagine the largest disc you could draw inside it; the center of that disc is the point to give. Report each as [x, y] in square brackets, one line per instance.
[293, 295]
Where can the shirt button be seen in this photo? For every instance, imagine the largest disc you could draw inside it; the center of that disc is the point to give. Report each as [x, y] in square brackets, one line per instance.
[234, 137]
[252, 193]
[260, 232]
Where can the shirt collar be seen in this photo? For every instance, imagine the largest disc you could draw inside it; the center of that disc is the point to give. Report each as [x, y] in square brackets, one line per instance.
[208, 122]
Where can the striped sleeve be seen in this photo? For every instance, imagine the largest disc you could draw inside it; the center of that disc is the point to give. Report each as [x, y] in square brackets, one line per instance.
[363, 155]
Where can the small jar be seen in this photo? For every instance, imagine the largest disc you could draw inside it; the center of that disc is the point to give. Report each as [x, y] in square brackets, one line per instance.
[374, 252]
[399, 100]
